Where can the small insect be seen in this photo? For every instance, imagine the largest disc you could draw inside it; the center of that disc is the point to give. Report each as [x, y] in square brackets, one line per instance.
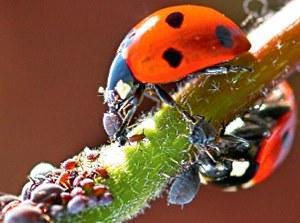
[77, 204]
[99, 190]
[64, 179]
[185, 186]
[101, 171]
[87, 185]
[136, 138]
[6, 199]
[41, 170]
[25, 213]
[56, 211]
[46, 193]
[106, 199]
[92, 155]
[166, 47]
[69, 164]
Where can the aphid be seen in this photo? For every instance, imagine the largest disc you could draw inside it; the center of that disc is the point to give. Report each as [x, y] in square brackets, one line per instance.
[25, 214]
[9, 207]
[99, 190]
[29, 187]
[69, 164]
[41, 170]
[92, 155]
[136, 138]
[65, 197]
[77, 180]
[77, 204]
[64, 179]
[102, 172]
[185, 186]
[56, 210]
[77, 191]
[87, 185]
[47, 193]
[166, 47]
[6, 199]
[111, 122]
[106, 199]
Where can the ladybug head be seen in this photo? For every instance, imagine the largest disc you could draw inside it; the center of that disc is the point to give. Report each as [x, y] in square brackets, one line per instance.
[120, 96]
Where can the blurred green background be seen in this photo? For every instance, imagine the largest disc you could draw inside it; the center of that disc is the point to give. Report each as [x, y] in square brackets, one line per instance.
[53, 57]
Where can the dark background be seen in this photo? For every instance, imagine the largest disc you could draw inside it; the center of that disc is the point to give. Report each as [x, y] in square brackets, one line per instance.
[53, 57]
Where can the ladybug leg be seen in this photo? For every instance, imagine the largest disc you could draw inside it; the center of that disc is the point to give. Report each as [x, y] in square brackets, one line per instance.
[151, 95]
[259, 122]
[231, 161]
[166, 98]
[224, 69]
[233, 147]
[253, 130]
[213, 169]
[132, 104]
[201, 132]
[274, 111]
[217, 156]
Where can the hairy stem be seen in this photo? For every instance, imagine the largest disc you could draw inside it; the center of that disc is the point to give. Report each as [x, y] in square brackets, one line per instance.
[139, 172]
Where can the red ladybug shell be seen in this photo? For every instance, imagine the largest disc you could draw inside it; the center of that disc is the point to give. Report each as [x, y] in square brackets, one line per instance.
[275, 148]
[176, 41]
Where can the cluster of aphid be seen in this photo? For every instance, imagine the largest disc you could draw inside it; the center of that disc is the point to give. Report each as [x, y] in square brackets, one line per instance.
[52, 193]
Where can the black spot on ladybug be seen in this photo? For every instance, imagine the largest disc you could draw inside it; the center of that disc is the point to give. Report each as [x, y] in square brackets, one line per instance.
[175, 19]
[224, 36]
[173, 57]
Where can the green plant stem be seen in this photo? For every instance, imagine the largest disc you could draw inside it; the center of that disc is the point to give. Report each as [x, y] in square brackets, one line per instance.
[139, 172]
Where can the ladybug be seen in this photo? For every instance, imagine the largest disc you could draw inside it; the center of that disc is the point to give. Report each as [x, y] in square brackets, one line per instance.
[253, 145]
[168, 46]
[248, 150]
